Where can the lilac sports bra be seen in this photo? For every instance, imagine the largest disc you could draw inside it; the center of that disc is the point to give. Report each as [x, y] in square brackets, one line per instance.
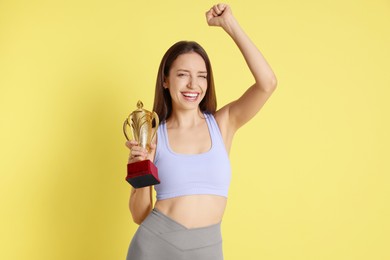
[190, 174]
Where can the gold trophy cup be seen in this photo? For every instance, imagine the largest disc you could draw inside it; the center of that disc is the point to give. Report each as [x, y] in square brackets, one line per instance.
[143, 125]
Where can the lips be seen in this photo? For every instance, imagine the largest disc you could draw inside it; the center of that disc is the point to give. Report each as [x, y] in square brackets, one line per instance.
[190, 96]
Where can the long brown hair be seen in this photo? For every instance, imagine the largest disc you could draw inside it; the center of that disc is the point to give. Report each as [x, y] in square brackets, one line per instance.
[162, 99]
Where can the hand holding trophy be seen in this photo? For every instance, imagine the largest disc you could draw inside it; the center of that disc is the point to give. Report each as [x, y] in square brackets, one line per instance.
[143, 125]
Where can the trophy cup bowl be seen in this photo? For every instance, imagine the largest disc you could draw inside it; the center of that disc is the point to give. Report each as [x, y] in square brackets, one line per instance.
[142, 124]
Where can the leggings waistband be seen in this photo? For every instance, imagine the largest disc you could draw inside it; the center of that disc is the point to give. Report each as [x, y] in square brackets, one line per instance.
[179, 235]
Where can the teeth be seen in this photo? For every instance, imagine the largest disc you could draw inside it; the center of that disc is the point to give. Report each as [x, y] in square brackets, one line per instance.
[190, 94]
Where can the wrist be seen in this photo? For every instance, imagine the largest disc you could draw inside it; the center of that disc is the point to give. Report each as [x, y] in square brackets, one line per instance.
[230, 26]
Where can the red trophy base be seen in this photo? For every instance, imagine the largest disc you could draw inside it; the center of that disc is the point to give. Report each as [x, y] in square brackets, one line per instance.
[141, 174]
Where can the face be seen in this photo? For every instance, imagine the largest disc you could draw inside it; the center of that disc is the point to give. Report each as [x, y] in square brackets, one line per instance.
[187, 81]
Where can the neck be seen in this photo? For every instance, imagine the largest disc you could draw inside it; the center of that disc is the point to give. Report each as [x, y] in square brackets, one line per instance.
[185, 118]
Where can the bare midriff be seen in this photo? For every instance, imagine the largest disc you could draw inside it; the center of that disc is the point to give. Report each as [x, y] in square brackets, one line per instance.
[194, 211]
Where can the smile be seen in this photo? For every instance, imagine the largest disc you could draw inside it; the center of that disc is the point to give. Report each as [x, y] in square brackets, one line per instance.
[190, 96]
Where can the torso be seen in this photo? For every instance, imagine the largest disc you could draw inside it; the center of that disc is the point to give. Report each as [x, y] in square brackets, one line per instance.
[194, 211]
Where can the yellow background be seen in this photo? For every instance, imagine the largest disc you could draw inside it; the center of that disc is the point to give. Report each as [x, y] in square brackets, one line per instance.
[311, 171]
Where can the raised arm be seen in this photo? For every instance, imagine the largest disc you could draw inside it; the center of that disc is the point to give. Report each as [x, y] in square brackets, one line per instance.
[240, 111]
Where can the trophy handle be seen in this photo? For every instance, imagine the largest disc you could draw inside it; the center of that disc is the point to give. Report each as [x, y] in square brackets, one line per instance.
[157, 122]
[126, 126]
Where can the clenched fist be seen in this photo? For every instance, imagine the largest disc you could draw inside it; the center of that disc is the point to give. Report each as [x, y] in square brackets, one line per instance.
[219, 15]
[138, 153]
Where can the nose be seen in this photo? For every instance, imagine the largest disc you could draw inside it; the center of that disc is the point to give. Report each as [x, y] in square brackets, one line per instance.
[191, 82]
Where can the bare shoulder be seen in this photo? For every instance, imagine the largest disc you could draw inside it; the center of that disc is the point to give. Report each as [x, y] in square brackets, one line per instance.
[222, 118]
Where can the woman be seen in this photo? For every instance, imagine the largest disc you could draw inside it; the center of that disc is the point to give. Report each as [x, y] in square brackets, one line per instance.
[191, 154]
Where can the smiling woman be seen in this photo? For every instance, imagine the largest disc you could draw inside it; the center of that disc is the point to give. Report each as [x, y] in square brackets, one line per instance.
[184, 63]
[192, 150]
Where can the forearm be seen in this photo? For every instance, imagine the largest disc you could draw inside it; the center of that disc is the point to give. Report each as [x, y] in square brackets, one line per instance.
[261, 71]
[140, 203]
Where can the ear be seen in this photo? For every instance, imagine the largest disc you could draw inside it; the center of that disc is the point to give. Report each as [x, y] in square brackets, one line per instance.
[165, 84]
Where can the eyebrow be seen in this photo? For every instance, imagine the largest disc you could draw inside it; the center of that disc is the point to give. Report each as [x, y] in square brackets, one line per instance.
[200, 72]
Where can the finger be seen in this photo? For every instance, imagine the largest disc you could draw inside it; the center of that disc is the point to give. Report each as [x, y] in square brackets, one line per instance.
[131, 143]
[221, 6]
[136, 159]
[137, 150]
[153, 147]
[213, 14]
[210, 14]
[209, 17]
[138, 153]
[217, 10]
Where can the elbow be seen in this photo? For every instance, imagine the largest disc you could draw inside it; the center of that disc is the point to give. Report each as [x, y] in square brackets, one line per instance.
[273, 83]
[137, 220]
[270, 85]
[139, 216]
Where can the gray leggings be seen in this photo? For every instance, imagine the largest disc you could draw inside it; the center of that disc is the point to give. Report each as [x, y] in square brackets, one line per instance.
[160, 237]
